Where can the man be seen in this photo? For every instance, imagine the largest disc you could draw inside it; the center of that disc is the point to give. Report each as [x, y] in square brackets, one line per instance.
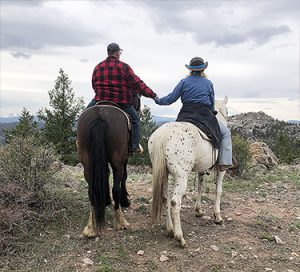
[114, 80]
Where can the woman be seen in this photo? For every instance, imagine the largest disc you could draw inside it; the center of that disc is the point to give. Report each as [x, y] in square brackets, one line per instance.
[198, 99]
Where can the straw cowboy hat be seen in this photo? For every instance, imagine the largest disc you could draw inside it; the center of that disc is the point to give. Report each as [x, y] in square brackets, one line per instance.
[197, 64]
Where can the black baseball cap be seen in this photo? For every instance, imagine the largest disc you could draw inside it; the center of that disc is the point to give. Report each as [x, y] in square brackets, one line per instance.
[113, 47]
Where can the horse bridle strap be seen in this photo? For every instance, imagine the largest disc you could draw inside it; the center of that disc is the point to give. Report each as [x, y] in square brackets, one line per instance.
[126, 115]
[222, 115]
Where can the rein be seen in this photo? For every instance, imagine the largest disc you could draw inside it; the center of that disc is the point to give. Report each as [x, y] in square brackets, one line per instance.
[222, 115]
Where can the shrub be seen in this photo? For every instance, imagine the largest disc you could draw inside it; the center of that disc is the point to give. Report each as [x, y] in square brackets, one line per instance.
[26, 168]
[241, 152]
[27, 163]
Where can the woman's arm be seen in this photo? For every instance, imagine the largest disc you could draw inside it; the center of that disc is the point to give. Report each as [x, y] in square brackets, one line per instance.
[173, 96]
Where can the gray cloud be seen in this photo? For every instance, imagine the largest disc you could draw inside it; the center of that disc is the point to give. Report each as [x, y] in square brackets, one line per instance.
[214, 22]
[33, 35]
[23, 3]
[18, 55]
[34, 27]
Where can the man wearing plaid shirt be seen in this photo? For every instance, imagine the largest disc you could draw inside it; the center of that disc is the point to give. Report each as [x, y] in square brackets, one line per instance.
[114, 80]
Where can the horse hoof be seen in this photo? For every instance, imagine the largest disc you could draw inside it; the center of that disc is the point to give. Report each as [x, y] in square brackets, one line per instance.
[218, 221]
[87, 232]
[171, 233]
[183, 244]
[199, 214]
[122, 226]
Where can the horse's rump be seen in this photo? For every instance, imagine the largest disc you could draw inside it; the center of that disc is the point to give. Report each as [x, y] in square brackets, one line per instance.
[185, 145]
[117, 128]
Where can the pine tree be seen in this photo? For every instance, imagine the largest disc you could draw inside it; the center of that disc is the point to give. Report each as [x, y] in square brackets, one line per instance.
[26, 127]
[147, 125]
[60, 120]
[285, 148]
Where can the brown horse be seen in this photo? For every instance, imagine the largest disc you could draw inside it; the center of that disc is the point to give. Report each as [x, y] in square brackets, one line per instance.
[103, 135]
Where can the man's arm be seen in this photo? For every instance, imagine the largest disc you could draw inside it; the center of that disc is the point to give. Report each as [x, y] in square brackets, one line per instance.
[137, 84]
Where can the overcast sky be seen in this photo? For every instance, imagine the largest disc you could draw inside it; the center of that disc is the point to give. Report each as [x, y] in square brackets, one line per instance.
[252, 49]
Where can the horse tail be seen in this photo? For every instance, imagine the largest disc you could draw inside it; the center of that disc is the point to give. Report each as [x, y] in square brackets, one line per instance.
[159, 176]
[99, 171]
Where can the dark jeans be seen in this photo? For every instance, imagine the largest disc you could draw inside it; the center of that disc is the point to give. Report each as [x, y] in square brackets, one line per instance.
[135, 119]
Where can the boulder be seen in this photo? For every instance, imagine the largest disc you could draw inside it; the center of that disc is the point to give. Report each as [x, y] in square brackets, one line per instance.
[262, 155]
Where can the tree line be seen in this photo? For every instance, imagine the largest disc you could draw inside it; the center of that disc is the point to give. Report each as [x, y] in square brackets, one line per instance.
[59, 123]
[59, 128]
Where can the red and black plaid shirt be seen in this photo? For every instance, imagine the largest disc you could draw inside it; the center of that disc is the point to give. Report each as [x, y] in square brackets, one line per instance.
[115, 81]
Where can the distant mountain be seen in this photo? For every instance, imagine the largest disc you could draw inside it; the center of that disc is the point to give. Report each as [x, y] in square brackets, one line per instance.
[9, 119]
[262, 127]
[160, 120]
[10, 123]
[293, 121]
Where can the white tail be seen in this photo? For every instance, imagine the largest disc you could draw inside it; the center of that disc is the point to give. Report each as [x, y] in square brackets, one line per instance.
[159, 176]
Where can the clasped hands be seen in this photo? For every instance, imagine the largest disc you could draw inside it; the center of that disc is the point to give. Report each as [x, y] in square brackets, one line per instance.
[156, 99]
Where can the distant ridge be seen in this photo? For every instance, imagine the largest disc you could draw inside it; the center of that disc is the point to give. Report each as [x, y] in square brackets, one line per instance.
[262, 127]
[9, 119]
[159, 120]
[293, 121]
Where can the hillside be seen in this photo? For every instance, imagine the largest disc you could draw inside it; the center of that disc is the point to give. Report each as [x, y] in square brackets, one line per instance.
[256, 212]
[262, 127]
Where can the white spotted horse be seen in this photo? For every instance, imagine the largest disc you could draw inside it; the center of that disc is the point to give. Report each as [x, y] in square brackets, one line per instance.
[178, 148]
[103, 135]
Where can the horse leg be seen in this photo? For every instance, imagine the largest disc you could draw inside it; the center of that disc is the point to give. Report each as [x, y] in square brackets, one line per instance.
[167, 195]
[217, 210]
[90, 230]
[198, 211]
[120, 221]
[179, 190]
[124, 195]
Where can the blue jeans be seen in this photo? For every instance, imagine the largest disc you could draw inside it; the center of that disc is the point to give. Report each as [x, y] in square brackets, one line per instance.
[135, 119]
[92, 103]
[225, 151]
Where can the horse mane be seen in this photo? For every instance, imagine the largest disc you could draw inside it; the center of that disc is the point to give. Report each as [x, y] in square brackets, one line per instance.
[220, 107]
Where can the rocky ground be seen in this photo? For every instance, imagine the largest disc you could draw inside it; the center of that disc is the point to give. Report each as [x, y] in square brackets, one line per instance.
[261, 230]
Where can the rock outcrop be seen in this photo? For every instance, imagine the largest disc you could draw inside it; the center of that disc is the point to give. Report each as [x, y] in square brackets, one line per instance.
[262, 156]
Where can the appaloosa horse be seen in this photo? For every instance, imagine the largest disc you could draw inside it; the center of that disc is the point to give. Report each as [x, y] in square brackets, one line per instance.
[177, 148]
[103, 135]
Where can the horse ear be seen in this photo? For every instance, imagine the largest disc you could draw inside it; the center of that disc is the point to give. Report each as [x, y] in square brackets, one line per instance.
[225, 100]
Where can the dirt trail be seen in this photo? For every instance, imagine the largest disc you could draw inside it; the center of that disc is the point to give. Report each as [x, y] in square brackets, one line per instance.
[254, 212]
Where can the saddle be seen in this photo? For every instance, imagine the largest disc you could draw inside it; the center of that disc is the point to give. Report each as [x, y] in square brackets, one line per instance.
[106, 103]
[201, 116]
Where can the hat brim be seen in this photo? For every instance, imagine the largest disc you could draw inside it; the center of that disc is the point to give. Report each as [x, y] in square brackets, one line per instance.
[197, 68]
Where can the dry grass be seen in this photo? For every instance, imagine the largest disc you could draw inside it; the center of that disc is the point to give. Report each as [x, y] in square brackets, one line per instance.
[245, 241]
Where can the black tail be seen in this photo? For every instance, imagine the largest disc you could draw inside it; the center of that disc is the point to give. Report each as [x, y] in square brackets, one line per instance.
[99, 171]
